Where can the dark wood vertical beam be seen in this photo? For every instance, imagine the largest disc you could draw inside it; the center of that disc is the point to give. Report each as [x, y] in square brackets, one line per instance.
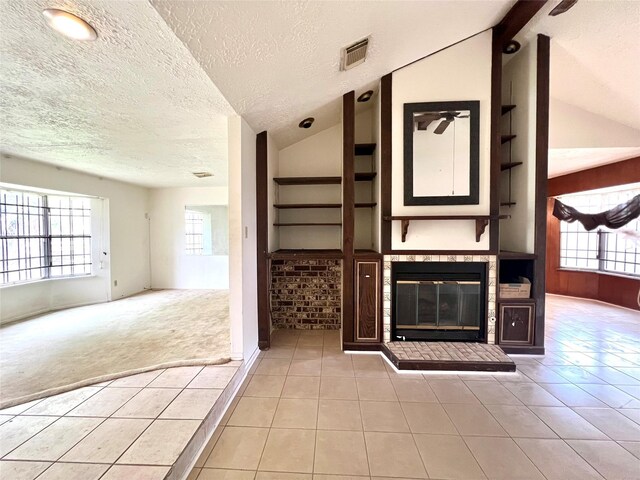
[262, 242]
[348, 214]
[495, 145]
[516, 18]
[385, 162]
[542, 161]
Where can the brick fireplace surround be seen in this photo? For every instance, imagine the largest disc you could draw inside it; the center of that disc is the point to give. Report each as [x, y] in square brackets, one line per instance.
[306, 294]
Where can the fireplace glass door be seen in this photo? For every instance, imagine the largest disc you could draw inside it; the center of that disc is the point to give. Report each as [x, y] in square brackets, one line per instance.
[438, 305]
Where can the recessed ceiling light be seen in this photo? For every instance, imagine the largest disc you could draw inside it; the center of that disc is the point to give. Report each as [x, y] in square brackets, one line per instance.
[69, 25]
[203, 174]
[366, 96]
[511, 47]
[307, 122]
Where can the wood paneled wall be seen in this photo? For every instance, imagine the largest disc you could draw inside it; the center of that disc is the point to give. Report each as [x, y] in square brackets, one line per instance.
[608, 288]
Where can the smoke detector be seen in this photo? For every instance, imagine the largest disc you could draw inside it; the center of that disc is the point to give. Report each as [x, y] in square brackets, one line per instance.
[353, 55]
[203, 174]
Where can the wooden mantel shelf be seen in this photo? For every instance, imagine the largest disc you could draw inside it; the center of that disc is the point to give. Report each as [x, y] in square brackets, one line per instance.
[481, 221]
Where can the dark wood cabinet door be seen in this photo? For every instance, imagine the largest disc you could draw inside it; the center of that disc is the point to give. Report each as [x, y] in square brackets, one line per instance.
[367, 300]
[516, 324]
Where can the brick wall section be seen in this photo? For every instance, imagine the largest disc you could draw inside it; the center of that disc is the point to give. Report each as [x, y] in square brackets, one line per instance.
[305, 294]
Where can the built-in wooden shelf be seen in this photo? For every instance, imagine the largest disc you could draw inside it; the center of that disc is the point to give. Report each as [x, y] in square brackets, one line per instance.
[308, 180]
[360, 177]
[506, 138]
[320, 205]
[516, 300]
[510, 165]
[508, 255]
[365, 176]
[307, 205]
[306, 252]
[308, 224]
[507, 204]
[365, 148]
[481, 221]
[507, 108]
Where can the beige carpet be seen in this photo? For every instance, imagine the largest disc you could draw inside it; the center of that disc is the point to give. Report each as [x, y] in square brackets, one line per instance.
[44, 354]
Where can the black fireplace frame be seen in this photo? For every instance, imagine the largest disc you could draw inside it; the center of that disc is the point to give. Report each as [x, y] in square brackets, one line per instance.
[440, 271]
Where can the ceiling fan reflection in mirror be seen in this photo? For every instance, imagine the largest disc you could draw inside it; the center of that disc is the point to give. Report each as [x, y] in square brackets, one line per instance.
[423, 120]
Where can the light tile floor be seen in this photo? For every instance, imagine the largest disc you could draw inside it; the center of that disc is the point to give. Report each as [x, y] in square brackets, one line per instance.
[134, 427]
[309, 411]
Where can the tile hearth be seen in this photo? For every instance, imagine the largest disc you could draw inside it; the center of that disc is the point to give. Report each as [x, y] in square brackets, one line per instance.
[463, 356]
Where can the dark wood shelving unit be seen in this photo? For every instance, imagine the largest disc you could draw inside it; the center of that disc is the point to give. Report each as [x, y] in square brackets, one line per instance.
[360, 177]
[365, 176]
[306, 252]
[507, 108]
[308, 180]
[507, 255]
[308, 224]
[306, 205]
[320, 205]
[365, 149]
[515, 300]
[509, 165]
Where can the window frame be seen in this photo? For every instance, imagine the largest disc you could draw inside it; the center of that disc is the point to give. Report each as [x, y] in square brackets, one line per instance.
[46, 237]
[193, 218]
[603, 237]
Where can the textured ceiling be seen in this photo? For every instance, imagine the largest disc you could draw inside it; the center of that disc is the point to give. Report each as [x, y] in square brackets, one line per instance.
[133, 105]
[278, 62]
[568, 160]
[594, 57]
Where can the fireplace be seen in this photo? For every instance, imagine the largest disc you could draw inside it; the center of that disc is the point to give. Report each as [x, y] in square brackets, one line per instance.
[438, 301]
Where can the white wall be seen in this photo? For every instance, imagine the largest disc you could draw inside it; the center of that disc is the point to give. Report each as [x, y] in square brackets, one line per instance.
[126, 241]
[574, 127]
[318, 155]
[243, 300]
[461, 72]
[519, 88]
[171, 267]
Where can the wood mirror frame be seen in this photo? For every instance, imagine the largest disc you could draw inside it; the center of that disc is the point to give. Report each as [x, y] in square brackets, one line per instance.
[410, 109]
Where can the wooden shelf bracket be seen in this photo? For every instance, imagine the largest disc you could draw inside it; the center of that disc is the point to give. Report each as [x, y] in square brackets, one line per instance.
[405, 229]
[481, 225]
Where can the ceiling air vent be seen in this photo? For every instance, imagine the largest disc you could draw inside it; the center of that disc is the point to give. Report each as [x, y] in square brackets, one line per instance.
[354, 55]
[203, 174]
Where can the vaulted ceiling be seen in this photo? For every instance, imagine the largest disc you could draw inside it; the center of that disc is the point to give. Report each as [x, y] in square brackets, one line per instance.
[278, 62]
[594, 57]
[595, 71]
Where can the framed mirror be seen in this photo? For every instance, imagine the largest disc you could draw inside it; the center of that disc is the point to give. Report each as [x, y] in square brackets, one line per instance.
[441, 153]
